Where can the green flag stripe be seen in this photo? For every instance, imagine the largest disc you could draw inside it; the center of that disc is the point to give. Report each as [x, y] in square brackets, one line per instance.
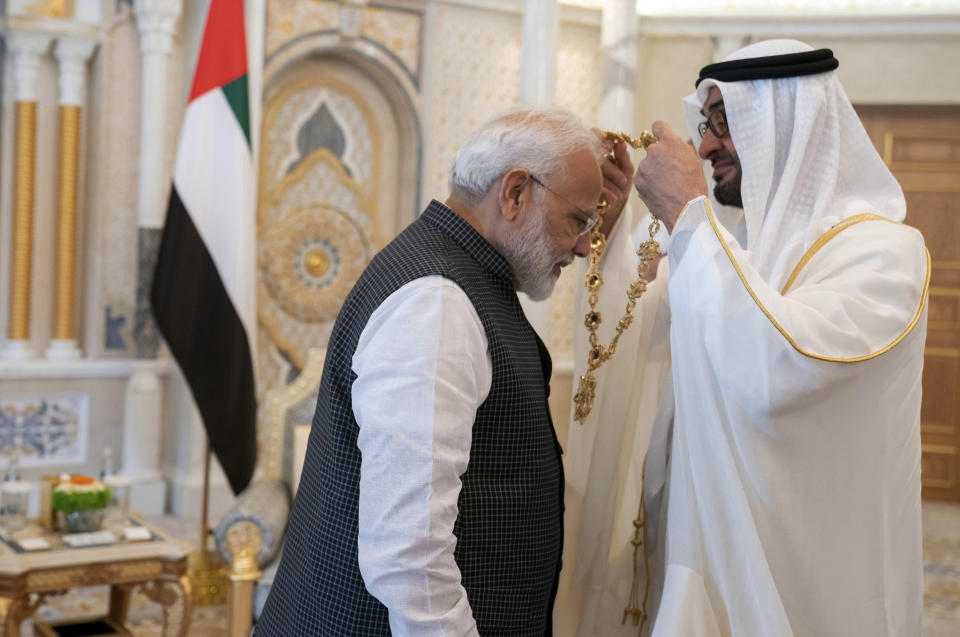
[237, 97]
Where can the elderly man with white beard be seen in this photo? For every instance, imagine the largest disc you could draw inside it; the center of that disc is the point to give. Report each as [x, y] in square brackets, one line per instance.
[431, 499]
[762, 425]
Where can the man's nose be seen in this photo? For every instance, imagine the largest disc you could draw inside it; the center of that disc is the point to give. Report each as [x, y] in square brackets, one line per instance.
[708, 144]
[582, 247]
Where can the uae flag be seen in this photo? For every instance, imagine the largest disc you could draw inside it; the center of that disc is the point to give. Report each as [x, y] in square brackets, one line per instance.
[203, 291]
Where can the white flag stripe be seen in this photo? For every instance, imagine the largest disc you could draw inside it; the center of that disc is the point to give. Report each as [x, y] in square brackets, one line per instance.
[215, 180]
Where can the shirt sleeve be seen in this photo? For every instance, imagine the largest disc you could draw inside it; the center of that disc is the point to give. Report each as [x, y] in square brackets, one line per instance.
[423, 367]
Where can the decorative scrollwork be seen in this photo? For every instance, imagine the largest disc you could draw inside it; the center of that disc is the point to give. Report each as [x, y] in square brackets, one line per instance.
[174, 597]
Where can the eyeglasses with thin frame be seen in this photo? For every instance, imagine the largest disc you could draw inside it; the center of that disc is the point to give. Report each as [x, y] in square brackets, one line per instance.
[716, 122]
[588, 219]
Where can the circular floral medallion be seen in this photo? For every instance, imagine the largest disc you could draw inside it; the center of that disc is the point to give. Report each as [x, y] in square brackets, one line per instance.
[310, 261]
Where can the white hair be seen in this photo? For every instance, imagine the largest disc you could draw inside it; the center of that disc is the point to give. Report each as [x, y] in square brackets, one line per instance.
[534, 137]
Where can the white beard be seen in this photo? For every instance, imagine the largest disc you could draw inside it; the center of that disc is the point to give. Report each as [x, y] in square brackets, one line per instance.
[532, 258]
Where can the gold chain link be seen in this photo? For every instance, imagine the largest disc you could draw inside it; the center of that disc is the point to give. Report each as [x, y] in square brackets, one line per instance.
[648, 251]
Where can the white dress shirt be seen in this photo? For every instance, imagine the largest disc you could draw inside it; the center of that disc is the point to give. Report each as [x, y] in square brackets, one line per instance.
[423, 367]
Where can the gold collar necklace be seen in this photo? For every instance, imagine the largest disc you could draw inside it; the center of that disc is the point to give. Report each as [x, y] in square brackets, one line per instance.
[648, 251]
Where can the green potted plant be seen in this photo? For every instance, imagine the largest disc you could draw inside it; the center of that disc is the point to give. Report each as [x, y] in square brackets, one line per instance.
[79, 503]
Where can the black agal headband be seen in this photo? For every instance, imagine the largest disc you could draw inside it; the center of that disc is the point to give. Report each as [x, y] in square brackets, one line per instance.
[770, 67]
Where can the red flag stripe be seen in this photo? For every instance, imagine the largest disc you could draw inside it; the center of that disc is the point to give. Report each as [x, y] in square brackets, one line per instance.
[223, 53]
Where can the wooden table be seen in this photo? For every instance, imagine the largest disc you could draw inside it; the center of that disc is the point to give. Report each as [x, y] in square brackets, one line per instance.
[157, 566]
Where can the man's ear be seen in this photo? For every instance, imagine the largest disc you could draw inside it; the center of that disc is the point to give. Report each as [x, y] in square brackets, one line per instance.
[512, 195]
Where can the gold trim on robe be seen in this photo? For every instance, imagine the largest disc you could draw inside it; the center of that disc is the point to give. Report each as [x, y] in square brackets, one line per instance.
[819, 243]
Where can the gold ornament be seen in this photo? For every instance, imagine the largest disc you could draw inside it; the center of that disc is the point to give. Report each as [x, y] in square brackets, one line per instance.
[645, 139]
[316, 262]
[636, 609]
[648, 251]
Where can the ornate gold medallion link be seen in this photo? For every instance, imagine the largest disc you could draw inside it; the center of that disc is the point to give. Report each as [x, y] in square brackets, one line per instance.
[645, 139]
[648, 251]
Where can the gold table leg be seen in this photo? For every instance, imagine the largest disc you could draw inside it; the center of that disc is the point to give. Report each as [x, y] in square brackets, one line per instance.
[18, 609]
[120, 602]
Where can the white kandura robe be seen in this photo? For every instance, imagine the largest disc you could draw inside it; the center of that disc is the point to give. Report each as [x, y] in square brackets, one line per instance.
[783, 475]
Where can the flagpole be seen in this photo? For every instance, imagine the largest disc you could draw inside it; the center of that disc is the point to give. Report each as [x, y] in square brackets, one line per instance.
[205, 569]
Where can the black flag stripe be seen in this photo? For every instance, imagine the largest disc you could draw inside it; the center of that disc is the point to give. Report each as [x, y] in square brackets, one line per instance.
[206, 336]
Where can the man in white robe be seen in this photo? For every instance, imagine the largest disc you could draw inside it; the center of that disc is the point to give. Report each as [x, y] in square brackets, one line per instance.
[774, 371]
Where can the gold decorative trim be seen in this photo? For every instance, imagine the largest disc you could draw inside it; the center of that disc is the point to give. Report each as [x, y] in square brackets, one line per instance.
[789, 339]
[94, 575]
[279, 400]
[824, 238]
[51, 8]
[244, 535]
[321, 156]
[63, 326]
[25, 157]
[366, 192]
[684, 210]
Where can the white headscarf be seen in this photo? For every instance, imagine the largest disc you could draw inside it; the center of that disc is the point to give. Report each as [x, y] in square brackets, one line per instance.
[807, 160]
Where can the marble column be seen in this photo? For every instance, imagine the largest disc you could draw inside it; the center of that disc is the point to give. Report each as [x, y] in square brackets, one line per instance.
[25, 50]
[538, 85]
[156, 21]
[618, 41]
[538, 60]
[72, 55]
[143, 402]
[255, 12]
[143, 412]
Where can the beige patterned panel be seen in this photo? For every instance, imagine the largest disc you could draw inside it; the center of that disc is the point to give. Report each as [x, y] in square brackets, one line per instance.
[579, 71]
[314, 241]
[475, 74]
[316, 223]
[289, 19]
[397, 30]
[295, 106]
[579, 85]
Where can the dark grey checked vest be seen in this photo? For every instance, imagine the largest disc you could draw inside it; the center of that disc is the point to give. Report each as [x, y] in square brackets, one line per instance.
[510, 524]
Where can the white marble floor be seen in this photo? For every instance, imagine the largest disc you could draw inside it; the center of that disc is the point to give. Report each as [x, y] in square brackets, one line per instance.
[941, 562]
